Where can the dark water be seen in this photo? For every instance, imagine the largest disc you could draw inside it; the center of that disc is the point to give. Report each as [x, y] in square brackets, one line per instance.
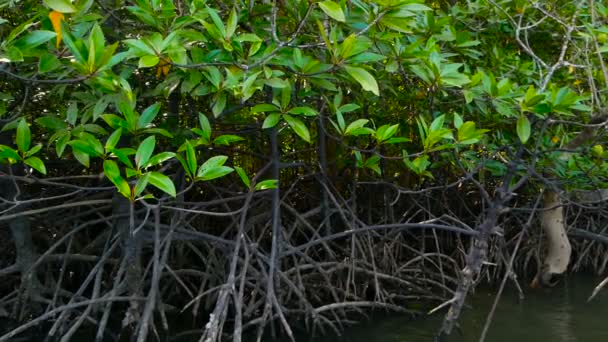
[560, 314]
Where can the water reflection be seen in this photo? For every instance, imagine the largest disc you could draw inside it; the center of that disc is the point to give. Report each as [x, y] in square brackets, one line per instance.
[561, 314]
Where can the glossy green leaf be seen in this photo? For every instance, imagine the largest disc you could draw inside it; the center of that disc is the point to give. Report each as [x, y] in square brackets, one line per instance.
[162, 182]
[227, 139]
[159, 158]
[148, 115]
[267, 184]
[144, 151]
[298, 126]
[36, 164]
[24, 137]
[141, 184]
[113, 140]
[243, 175]
[112, 172]
[190, 158]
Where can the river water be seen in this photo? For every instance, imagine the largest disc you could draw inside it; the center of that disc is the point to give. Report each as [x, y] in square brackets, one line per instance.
[560, 314]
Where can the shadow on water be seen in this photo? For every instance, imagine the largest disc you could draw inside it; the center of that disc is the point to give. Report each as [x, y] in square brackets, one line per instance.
[560, 314]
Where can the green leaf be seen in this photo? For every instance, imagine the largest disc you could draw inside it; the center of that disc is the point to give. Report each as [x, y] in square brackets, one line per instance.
[7, 152]
[213, 162]
[141, 184]
[466, 131]
[110, 169]
[36, 163]
[148, 115]
[190, 158]
[72, 113]
[298, 126]
[162, 182]
[48, 62]
[76, 47]
[355, 125]
[205, 125]
[367, 81]
[144, 151]
[243, 176]
[213, 168]
[23, 138]
[33, 150]
[63, 6]
[523, 128]
[114, 121]
[33, 39]
[277, 83]
[51, 122]
[267, 184]
[219, 104]
[83, 146]
[113, 140]
[271, 120]
[227, 139]
[62, 142]
[148, 61]
[303, 110]
[123, 155]
[333, 10]
[214, 172]
[457, 120]
[231, 24]
[127, 110]
[159, 158]
[264, 107]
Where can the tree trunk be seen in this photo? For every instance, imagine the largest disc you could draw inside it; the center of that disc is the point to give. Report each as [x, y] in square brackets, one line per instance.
[558, 246]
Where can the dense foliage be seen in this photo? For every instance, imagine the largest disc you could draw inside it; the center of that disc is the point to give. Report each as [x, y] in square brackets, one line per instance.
[167, 115]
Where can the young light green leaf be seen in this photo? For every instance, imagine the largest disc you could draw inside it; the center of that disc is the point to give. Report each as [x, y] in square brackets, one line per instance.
[162, 182]
[367, 81]
[333, 10]
[144, 151]
[523, 128]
